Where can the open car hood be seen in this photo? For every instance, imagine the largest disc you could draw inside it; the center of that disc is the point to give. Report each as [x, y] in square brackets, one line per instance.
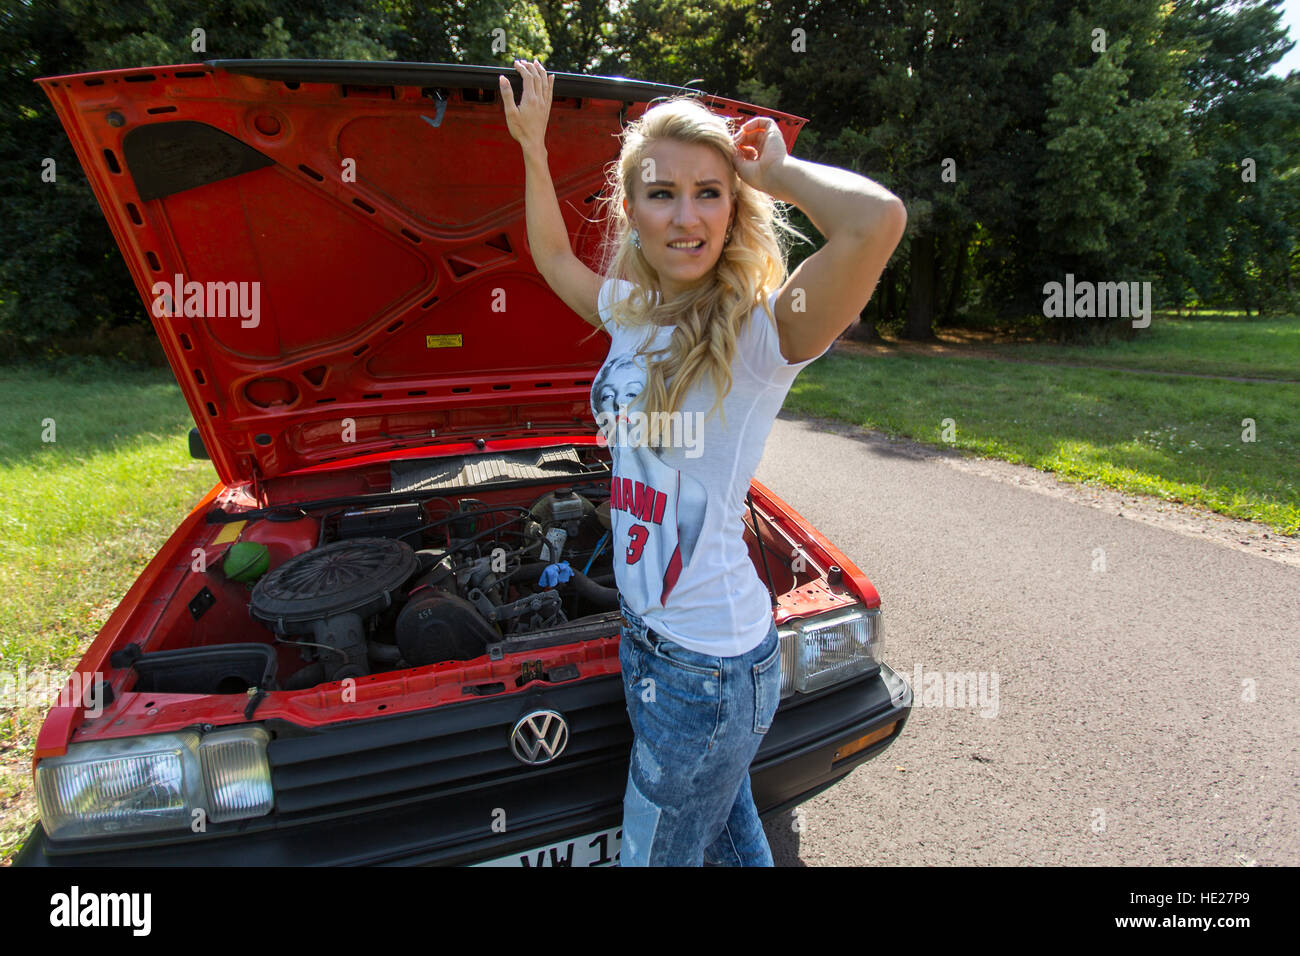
[351, 248]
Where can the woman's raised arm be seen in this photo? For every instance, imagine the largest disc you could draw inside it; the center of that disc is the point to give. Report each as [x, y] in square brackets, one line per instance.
[861, 220]
[863, 223]
[548, 240]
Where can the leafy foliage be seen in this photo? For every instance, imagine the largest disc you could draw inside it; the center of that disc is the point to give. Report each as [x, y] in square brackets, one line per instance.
[1024, 144]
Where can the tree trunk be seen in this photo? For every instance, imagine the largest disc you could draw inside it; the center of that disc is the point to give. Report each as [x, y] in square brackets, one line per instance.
[920, 306]
[958, 274]
[864, 330]
[891, 296]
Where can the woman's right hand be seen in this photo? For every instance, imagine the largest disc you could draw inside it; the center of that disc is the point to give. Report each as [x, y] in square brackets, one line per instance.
[527, 121]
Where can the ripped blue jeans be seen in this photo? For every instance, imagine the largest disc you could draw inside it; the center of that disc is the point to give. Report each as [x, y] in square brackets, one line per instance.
[697, 721]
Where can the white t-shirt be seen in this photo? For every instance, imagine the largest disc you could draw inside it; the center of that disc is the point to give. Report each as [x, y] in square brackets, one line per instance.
[680, 559]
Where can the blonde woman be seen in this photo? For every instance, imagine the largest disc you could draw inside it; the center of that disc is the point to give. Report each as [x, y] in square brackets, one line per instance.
[707, 331]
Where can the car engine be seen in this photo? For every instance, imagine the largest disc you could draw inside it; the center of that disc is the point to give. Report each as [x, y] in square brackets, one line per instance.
[365, 600]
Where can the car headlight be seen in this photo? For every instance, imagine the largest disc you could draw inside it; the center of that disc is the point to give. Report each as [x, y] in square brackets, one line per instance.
[159, 782]
[826, 649]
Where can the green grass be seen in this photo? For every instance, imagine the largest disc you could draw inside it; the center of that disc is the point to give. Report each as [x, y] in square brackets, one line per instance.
[80, 519]
[1215, 344]
[1175, 438]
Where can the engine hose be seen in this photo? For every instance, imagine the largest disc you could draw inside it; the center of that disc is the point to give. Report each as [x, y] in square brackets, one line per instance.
[531, 572]
[305, 677]
[383, 653]
[585, 585]
[314, 674]
[597, 594]
[600, 546]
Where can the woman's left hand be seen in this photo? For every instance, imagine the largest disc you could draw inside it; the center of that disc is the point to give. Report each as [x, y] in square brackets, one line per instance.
[761, 151]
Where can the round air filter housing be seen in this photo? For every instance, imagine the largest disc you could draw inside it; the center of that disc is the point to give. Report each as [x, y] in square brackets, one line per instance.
[328, 592]
[357, 576]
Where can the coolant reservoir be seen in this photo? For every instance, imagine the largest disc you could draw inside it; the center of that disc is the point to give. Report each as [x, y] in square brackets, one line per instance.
[561, 505]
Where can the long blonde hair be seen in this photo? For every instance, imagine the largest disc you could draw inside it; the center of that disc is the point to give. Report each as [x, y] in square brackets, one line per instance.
[709, 317]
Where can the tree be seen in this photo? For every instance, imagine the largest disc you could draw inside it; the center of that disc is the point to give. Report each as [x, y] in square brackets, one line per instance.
[60, 270]
[1242, 188]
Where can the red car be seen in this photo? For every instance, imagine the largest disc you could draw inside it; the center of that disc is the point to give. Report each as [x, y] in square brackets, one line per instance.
[390, 632]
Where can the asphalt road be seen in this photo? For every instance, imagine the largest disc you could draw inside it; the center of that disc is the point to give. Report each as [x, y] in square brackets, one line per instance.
[1146, 713]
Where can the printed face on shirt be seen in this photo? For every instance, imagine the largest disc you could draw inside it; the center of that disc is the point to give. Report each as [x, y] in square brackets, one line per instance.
[620, 382]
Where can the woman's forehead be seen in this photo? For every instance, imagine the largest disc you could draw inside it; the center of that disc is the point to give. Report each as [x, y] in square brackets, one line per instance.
[608, 377]
[682, 163]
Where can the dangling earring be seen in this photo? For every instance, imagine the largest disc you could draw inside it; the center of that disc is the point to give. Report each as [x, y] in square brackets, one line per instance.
[727, 241]
[636, 238]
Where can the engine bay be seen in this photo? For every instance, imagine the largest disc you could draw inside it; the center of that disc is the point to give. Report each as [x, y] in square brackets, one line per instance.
[481, 552]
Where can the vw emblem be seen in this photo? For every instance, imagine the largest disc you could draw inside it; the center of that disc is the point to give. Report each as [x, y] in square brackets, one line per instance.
[539, 737]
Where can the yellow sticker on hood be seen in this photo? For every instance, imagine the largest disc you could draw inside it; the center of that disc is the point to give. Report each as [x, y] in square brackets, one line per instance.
[229, 532]
[442, 341]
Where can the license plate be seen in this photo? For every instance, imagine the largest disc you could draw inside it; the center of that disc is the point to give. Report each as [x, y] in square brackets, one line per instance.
[592, 849]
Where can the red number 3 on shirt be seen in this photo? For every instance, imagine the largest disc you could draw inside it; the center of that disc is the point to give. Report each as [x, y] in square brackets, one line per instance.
[638, 534]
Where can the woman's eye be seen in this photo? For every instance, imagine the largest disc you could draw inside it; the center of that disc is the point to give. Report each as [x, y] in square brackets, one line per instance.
[663, 192]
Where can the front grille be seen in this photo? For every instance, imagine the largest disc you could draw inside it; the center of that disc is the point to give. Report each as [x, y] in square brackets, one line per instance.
[450, 749]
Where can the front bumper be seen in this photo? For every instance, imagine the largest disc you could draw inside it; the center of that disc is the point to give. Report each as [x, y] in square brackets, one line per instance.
[795, 762]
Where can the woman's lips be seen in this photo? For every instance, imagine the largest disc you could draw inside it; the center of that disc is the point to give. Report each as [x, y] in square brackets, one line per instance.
[689, 251]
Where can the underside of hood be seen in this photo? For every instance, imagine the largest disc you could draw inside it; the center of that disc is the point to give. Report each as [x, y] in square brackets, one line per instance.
[334, 253]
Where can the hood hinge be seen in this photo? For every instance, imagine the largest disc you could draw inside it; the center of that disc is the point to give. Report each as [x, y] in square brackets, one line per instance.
[258, 483]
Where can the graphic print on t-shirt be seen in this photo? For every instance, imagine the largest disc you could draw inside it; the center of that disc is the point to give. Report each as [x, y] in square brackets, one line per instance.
[655, 511]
